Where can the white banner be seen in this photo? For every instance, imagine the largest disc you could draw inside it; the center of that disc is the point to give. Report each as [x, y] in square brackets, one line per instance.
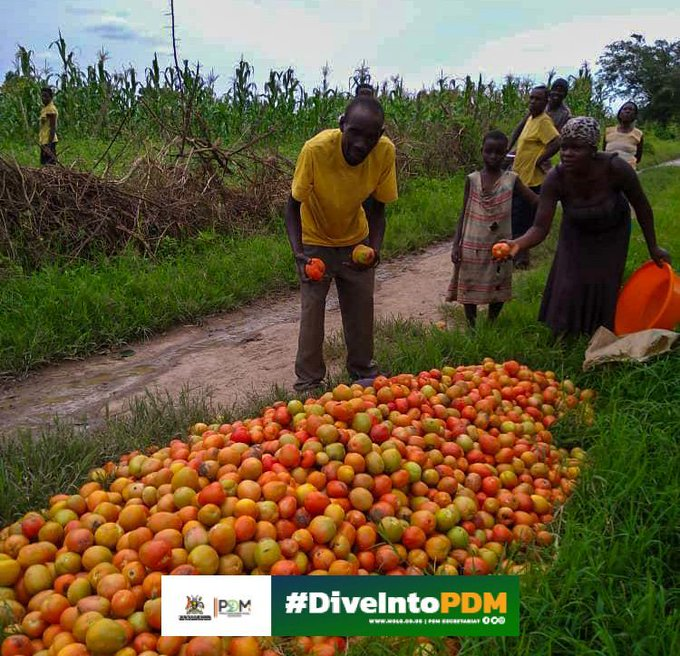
[216, 605]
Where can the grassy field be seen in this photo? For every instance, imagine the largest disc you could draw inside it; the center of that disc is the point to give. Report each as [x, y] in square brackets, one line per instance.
[659, 150]
[614, 586]
[81, 153]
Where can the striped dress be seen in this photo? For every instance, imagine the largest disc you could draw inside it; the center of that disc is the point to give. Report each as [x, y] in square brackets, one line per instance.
[480, 279]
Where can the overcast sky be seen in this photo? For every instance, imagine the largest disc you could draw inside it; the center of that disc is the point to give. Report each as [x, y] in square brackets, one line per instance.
[414, 38]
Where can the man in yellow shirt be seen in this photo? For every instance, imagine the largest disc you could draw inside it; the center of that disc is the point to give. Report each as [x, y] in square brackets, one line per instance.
[538, 141]
[47, 134]
[335, 172]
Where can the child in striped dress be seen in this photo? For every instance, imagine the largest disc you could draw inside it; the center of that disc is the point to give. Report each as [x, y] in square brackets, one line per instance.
[486, 218]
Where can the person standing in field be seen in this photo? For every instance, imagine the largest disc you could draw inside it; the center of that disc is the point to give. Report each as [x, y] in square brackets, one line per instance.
[538, 141]
[486, 218]
[335, 172]
[595, 190]
[47, 134]
[625, 139]
[557, 109]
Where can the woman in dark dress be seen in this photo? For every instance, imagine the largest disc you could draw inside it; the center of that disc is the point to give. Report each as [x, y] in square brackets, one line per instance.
[595, 190]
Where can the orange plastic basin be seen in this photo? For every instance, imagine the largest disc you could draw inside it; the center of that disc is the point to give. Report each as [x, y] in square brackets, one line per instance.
[649, 299]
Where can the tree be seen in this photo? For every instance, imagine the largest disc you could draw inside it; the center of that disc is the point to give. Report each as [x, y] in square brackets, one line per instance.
[648, 74]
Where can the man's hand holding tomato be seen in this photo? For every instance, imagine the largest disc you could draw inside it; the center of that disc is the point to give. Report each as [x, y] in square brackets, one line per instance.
[301, 261]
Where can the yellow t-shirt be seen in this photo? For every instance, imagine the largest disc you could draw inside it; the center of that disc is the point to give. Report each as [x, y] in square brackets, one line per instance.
[331, 191]
[44, 134]
[537, 133]
[623, 143]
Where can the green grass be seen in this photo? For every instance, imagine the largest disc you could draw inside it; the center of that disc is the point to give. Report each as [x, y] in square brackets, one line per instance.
[69, 313]
[82, 153]
[65, 313]
[614, 586]
[88, 153]
[657, 151]
[662, 188]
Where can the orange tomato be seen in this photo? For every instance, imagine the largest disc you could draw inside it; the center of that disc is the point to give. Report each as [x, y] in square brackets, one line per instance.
[315, 269]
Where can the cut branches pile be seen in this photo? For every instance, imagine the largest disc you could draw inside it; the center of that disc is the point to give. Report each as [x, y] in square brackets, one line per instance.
[56, 212]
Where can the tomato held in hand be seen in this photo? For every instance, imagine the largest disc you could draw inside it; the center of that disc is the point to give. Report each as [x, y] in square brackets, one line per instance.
[500, 251]
[363, 255]
[315, 269]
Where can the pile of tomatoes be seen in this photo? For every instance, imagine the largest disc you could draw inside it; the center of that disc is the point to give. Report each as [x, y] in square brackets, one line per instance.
[447, 472]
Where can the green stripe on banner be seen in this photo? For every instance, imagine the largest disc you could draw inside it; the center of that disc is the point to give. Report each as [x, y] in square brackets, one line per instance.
[395, 606]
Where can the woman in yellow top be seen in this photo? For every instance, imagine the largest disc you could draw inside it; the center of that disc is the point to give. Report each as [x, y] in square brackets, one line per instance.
[537, 141]
[625, 139]
[48, 128]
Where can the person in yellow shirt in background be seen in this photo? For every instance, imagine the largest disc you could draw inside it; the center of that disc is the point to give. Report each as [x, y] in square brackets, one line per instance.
[538, 141]
[625, 139]
[47, 134]
[335, 172]
[557, 109]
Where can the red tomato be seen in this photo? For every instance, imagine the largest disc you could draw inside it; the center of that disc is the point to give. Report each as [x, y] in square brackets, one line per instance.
[315, 269]
[500, 251]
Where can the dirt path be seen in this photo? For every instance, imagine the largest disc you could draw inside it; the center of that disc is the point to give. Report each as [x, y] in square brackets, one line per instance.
[673, 162]
[235, 353]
